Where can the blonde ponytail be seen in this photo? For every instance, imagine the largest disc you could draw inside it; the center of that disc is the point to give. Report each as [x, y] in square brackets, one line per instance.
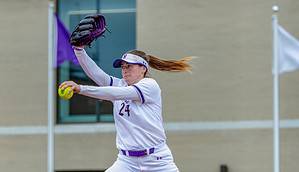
[165, 65]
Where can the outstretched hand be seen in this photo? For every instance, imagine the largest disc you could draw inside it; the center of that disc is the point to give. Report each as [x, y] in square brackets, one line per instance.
[74, 86]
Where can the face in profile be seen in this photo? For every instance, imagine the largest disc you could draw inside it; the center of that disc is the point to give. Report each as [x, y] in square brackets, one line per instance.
[132, 73]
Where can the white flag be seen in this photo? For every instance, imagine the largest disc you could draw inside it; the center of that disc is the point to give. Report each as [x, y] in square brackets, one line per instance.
[288, 51]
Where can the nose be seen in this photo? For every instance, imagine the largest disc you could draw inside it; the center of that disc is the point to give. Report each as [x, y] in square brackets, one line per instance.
[125, 70]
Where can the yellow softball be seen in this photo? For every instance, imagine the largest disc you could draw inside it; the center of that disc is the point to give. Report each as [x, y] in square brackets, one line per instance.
[66, 94]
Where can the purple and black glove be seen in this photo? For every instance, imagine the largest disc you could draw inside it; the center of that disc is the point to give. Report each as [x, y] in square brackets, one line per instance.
[90, 28]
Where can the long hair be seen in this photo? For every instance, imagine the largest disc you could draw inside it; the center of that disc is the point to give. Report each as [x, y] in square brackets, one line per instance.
[180, 65]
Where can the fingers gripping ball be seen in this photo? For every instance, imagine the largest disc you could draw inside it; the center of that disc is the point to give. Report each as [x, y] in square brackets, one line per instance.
[66, 94]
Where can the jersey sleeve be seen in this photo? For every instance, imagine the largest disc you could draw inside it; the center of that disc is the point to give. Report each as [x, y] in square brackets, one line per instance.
[148, 90]
[92, 70]
[110, 93]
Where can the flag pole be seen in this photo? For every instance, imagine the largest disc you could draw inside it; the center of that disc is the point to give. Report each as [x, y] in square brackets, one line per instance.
[50, 89]
[276, 149]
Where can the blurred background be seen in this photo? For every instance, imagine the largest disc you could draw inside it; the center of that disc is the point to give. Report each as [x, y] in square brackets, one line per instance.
[217, 118]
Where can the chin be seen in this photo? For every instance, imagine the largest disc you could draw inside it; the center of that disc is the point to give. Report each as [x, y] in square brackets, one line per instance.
[127, 81]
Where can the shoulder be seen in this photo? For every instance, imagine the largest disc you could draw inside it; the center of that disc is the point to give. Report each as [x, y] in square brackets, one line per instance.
[117, 82]
[148, 90]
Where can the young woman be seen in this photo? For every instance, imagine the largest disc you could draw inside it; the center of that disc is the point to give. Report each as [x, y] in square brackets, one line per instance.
[137, 108]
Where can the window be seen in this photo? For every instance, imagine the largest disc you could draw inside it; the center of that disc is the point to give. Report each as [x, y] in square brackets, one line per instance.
[121, 21]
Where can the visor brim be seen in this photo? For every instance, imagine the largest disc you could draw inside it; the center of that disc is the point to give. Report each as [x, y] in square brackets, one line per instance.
[117, 63]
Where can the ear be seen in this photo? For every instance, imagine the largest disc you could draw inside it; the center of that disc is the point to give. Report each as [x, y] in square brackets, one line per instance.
[144, 70]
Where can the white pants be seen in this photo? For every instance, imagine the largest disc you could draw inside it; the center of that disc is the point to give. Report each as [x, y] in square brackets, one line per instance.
[159, 161]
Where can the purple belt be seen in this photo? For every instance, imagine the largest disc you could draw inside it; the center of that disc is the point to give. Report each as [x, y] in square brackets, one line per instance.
[138, 153]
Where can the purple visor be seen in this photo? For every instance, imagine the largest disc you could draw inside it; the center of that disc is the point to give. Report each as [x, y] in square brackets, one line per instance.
[130, 59]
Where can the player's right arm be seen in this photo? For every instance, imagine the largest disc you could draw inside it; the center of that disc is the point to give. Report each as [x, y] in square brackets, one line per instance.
[92, 70]
[103, 93]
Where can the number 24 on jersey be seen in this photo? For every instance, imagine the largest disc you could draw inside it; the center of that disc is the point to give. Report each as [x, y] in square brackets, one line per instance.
[125, 109]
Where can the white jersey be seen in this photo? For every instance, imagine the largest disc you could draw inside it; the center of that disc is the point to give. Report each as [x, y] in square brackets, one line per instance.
[137, 108]
[139, 123]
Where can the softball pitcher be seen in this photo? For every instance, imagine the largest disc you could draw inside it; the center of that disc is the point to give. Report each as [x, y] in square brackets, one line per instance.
[140, 136]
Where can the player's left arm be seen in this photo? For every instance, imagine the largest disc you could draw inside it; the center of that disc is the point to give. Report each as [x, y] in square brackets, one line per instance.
[93, 71]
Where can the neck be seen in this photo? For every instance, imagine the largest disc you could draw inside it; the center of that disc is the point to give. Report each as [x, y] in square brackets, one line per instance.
[135, 81]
